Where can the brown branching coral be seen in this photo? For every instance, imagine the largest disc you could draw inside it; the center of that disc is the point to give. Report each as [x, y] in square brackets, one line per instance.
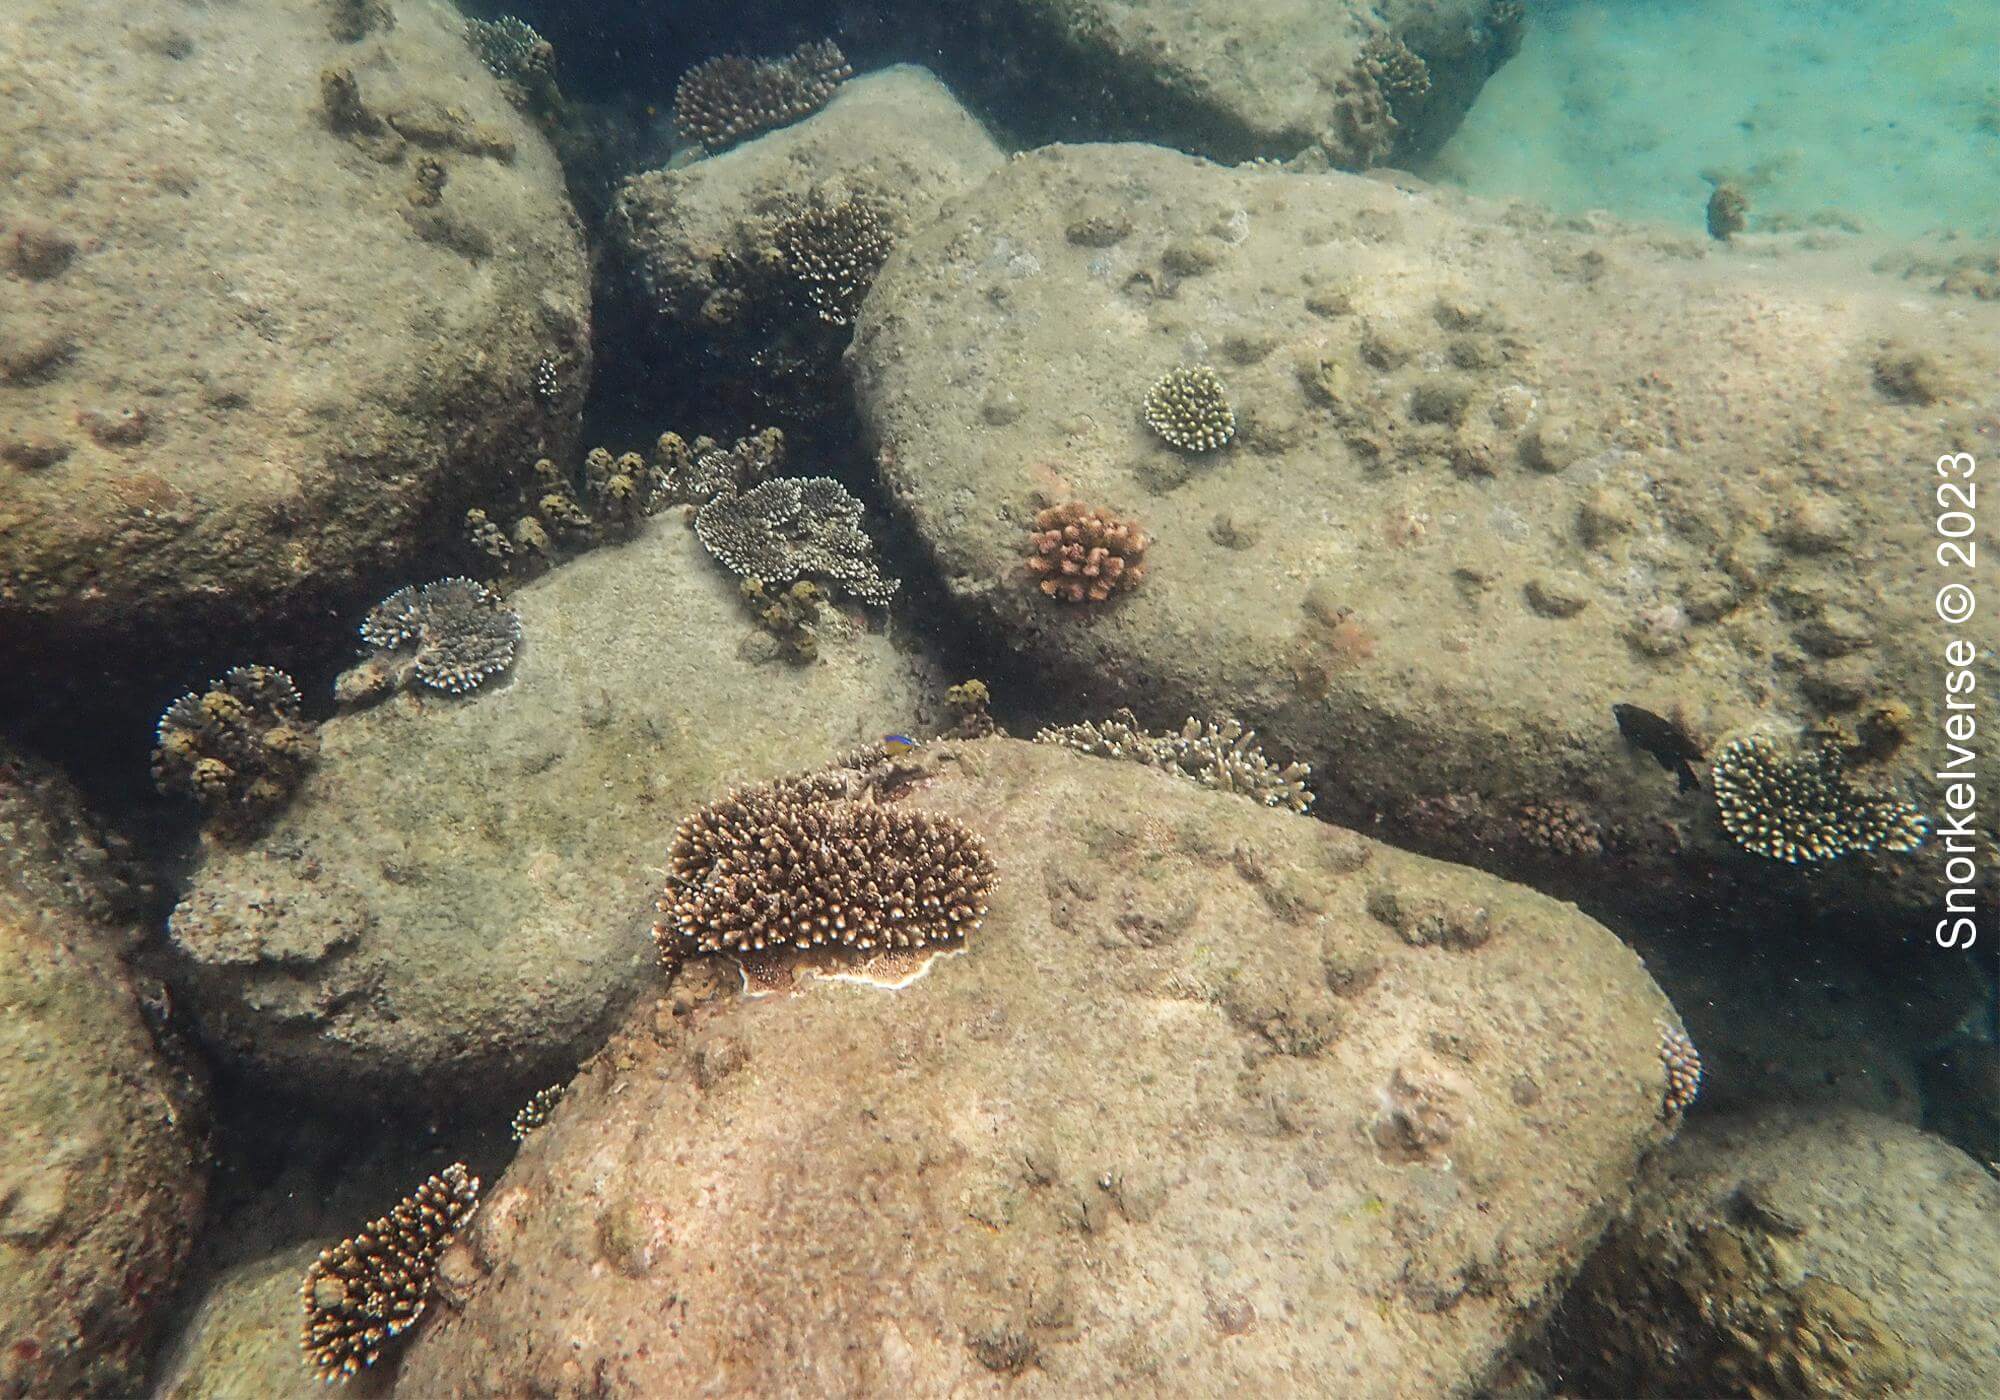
[240, 747]
[818, 861]
[1798, 807]
[1402, 77]
[831, 251]
[1220, 755]
[731, 98]
[795, 527]
[697, 474]
[366, 1290]
[1078, 554]
[1682, 1065]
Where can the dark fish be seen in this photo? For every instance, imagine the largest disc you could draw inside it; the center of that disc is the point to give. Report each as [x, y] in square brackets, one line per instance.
[1659, 736]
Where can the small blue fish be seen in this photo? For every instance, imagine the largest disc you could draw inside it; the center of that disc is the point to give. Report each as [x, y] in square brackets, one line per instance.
[892, 742]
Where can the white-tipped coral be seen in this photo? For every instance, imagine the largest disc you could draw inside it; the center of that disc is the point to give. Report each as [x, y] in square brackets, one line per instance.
[1800, 808]
[240, 747]
[794, 527]
[1189, 408]
[1221, 755]
[458, 632]
[368, 1289]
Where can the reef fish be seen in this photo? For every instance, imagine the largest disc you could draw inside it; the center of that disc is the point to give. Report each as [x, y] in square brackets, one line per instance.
[1666, 740]
[893, 742]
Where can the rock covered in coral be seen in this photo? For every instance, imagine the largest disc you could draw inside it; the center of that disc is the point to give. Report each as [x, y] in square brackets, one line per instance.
[457, 633]
[819, 861]
[1183, 1115]
[832, 250]
[210, 490]
[456, 905]
[1437, 437]
[731, 98]
[1221, 755]
[240, 747]
[1786, 1253]
[369, 1289]
[795, 527]
[699, 472]
[1080, 555]
[103, 1164]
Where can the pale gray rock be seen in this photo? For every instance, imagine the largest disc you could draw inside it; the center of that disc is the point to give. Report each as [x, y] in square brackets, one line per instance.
[241, 1339]
[455, 906]
[1393, 357]
[241, 361]
[1217, 1099]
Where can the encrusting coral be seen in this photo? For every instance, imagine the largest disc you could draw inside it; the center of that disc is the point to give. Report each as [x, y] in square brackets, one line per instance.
[458, 633]
[1189, 408]
[368, 1289]
[1221, 755]
[831, 251]
[1800, 808]
[239, 747]
[731, 98]
[818, 861]
[1078, 554]
[794, 527]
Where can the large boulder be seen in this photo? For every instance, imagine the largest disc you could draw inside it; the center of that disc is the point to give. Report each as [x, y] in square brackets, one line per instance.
[1786, 1253]
[241, 1339]
[102, 1157]
[1218, 1098]
[273, 304]
[454, 908]
[1491, 475]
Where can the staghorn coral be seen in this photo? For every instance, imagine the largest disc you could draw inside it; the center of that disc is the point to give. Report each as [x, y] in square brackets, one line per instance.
[239, 748]
[794, 527]
[458, 633]
[819, 861]
[1189, 408]
[831, 253]
[1799, 807]
[1081, 555]
[536, 1111]
[1220, 755]
[368, 1289]
[730, 98]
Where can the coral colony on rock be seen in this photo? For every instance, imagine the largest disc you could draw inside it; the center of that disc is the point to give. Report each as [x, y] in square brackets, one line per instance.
[1466, 868]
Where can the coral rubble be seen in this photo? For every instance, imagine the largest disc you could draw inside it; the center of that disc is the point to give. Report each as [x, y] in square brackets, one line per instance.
[367, 1289]
[240, 747]
[1082, 555]
[794, 527]
[1189, 408]
[1221, 755]
[817, 860]
[458, 633]
[731, 98]
[1800, 808]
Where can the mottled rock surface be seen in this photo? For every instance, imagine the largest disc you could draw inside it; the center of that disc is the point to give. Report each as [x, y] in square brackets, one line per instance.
[455, 906]
[1781, 1253]
[1492, 474]
[241, 1341]
[102, 1164]
[1218, 1098]
[208, 424]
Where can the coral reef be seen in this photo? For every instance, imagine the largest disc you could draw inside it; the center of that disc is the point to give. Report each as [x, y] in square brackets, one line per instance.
[731, 98]
[536, 1111]
[1082, 555]
[817, 860]
[523, 61]
[1682, 1063]
[697, 475]
[457, 632]
[239, 747]
[832, 250]
[1799, 807]
[1189, 408]
[1402, 78]
[624, 489]
[368, 1289]
[969, 701]
[792, 527]
[1221, 755]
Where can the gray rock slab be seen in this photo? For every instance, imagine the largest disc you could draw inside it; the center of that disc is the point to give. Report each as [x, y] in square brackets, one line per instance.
[456, 905]
[1493, 473]
[241, 1339]
[1218, 1097]
[242, 368]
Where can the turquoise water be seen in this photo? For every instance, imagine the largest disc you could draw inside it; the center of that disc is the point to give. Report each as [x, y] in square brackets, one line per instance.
[1877, 114]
